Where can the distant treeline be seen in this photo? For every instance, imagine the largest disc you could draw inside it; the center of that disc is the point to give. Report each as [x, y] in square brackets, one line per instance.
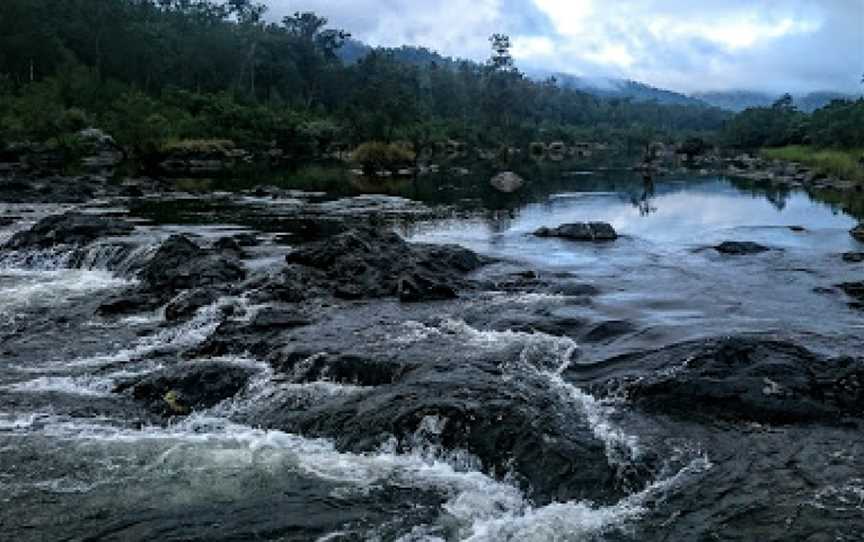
[839, 124]
[152, 71]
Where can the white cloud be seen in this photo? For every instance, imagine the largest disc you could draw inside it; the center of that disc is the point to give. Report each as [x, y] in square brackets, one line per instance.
[688, 45]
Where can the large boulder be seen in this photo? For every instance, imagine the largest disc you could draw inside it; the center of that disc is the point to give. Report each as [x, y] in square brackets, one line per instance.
[71, 229]
[742, 378]
[740, 248]
[516, 427]
[367, 262]
[507, 182]
[581, 231]
[179, 266]
[186, 387]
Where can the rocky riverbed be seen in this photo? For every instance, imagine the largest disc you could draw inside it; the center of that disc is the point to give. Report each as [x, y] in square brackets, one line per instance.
[289, 366]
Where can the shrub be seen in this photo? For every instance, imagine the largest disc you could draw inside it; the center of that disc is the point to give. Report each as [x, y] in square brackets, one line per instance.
[374, 156]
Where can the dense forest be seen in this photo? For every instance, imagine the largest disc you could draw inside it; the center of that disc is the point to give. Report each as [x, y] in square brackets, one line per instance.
[157, 72]
[154, 71]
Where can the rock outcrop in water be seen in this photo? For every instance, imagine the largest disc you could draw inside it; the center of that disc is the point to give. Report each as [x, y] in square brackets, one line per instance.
[581, 231]
[70, 229]
[740, 248]
[855, 290]
[507, 182]
[186, 387]
[737, 379]
[179, 265]
[858, 232]
[368, 263]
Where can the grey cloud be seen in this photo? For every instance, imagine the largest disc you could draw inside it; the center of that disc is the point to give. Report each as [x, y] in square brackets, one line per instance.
[829, 57]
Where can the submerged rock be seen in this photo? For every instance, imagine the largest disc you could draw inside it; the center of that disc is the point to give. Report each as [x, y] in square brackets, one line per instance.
[507, 182]
[71, 229]
[734, 378]
[581, 231]
[853, 257]
[186, 387]
[367, 263]
[740, 248]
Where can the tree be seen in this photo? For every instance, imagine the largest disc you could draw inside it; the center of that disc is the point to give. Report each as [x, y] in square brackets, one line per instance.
[501, 59]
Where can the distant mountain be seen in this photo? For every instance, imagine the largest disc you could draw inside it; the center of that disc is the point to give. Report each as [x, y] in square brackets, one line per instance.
[626, 89]
[739, 100]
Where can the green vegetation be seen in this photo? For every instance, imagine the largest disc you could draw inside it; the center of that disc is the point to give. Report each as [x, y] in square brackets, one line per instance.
[830, 140]
[843, 164]
[153, 73]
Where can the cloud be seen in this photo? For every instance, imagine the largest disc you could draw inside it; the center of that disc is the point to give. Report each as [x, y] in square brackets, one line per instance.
[769, 45]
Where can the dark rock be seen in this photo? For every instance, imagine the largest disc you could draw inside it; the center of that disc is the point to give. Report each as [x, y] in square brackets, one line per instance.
[413, 289]
[606, 331]
[858, 232]
[307, 366]
[797, 229]
[229, 244]
[7, 221]
[853, 257]
[733, 378]
[272, 318]
[247, 239]
[366, 262]
[72, 229]
[581, 231]
[739, 248]
[514, 429]
[187, 303]
[178, 264]
[186, 387]
[854, 290]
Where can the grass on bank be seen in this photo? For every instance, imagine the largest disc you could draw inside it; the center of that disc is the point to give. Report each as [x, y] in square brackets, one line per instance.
[843, 164]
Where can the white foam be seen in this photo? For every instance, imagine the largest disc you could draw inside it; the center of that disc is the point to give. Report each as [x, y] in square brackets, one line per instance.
[21, 289]
[549, 356]
[482, 508]
[87, 386]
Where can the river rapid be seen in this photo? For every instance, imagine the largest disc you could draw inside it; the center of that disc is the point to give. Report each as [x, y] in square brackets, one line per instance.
[552, 400]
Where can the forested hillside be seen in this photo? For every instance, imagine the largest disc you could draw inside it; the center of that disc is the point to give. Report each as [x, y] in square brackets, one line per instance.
[151, 71]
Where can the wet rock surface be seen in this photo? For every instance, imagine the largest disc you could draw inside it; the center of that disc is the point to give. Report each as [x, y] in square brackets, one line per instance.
[368, 262]
[71, 229]
[179, 266]
[742, 379]
[740, 248]
[857, 233]
[186, 387]
[580, 231]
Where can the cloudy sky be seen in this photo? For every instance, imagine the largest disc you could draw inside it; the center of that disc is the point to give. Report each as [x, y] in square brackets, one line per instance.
[685, 45]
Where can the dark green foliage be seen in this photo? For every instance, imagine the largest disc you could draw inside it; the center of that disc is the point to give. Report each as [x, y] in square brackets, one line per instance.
[153, 71]
[839, 124]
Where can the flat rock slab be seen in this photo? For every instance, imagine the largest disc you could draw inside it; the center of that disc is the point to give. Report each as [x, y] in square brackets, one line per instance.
[581, 231]
[739, 248]
[73, 229]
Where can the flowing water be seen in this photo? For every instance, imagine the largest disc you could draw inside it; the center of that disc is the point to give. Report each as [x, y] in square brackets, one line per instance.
[78, 462]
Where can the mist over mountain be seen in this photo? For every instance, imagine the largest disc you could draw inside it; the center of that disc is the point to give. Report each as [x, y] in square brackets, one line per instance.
[739, 100]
